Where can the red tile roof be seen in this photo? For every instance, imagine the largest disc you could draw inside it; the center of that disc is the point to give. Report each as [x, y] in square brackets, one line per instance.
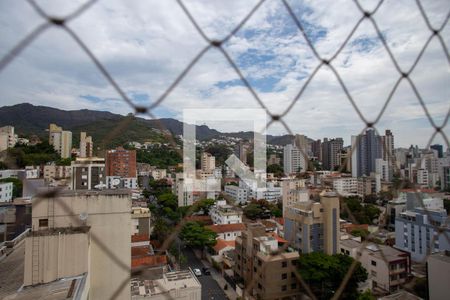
[221, 228]
[221, 244]
[139, 238]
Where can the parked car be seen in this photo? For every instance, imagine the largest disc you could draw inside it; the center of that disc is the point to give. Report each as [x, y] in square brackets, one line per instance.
[197, 272]
[206, 271]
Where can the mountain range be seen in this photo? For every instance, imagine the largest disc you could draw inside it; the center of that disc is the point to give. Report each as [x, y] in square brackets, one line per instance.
[29, 119]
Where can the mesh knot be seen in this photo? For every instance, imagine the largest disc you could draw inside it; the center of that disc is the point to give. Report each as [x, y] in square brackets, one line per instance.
[140, 109]
[57, 21]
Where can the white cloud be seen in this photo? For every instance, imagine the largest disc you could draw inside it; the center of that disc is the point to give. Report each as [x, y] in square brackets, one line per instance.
[146, 44]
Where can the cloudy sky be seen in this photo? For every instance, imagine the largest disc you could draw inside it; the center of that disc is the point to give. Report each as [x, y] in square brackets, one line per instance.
[145, 45]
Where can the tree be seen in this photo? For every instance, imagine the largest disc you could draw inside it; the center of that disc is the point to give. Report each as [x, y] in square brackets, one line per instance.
[17, 186]
[324, 273]
[196, 235]
[277, 170]
[204, 205]
[253, 211]
[360, 232]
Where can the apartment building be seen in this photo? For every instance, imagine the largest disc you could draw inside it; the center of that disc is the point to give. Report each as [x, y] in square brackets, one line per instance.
[61, 140]
[330, 153]
[121, 162]
[367, 148]
[54, 173]
[346, 185]
[8, 138]
[238, 193]
[422, 231]
[207, 162]
[6, 191]
[258, 261]
[185, 197]
[438, 274]
[387, 267]
[222, 213]
[140, 221]
[293, 190]
[86, 145]
[294, 160]
[88, 173]
[313, 226]
[81, 232]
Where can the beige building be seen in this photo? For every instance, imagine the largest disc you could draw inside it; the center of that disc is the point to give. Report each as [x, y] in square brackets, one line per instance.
[86, 145]
[265, 274]
[61, 140]
[208, 162]
[140, 221]
[387, 267]
[293, 190]
[81, 232]
[438, 268]
[57, 174]
[313, 226]
[8, 138]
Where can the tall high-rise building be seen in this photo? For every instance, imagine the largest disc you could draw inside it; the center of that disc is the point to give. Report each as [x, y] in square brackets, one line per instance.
[313, 226]
[388, 146]
[367, 148]
[208, 162]
[293, 160]
[86, 145]
[316, 148]
[241, 150]
[121, 162]
[330, 153]
[61, 140]
[439, 150]
[7, 137]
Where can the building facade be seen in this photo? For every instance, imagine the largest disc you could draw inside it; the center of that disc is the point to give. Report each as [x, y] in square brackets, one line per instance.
[88, 173]
[367, 148]
[256, 261]
[421, 232]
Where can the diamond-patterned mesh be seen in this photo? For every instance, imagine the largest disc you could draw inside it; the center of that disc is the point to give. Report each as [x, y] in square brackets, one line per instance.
[435, 33]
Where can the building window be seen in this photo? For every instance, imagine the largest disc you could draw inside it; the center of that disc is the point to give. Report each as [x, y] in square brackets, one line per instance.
[374, 263]
[43, 222]
[283, 288]
[373, 273]
[284, 264]
[293, 286]
[284, 276]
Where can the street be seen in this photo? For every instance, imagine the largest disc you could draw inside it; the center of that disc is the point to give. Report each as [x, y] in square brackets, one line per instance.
[210, 288]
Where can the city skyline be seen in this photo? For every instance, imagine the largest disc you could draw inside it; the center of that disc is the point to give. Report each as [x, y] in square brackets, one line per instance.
[269, 49]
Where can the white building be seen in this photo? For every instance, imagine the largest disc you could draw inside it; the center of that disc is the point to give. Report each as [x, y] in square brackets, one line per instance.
[239, 194]
[227, 232]
[346, 185]
[383, 168]
[271, 193]
[185, 197]
[22, 174]
[54, 173]
[61, 140]
[6, 191]
[7, 137]
[293, 160]
[222, 213]
[117, 182]
[158, 174]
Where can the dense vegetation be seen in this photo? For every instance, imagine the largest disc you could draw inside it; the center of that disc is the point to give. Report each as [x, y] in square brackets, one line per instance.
[324, 273]
[159, 156]
[262, 209]
[22, 155]
[363, 214]
[197, 235]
